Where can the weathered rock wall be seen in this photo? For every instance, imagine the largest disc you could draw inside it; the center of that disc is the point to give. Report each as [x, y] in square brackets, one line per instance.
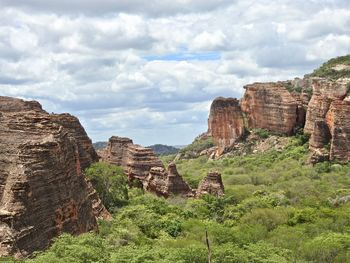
[136, 160]
[225, 123]
[270, 106]
[43, 191]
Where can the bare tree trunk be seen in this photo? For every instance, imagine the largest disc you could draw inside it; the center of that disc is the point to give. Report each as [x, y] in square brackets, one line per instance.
[208, 246]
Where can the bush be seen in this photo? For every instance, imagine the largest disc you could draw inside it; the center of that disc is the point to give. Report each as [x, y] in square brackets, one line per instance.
[327, 247]
[110, 183]
[262, 133]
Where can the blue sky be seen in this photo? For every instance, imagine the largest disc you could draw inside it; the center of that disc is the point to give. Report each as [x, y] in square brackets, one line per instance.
[149, 70]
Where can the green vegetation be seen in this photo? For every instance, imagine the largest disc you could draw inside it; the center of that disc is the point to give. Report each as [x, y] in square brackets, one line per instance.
[276, 209]
[262, 133]
[327, 69]
[111, 184]
[198, 145]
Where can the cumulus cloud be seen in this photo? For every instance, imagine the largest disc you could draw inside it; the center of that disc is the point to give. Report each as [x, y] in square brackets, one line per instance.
[149, 69]
[93, 7]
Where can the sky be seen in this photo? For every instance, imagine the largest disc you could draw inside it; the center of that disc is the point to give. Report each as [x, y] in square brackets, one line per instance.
[149, 70]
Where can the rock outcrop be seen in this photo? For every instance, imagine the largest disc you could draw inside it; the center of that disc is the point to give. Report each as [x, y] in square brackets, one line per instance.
[225, 123]
[211, 184]
[338, 120]
[43, 191]
[117, 151]
[272, 107]
[319, 105]
[136, 160]
[164, 183]
[327, 121]
[87, 153]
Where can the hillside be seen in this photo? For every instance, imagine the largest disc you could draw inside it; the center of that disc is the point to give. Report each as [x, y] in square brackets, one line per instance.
[335, 68]
[276, 209]
[161, 149]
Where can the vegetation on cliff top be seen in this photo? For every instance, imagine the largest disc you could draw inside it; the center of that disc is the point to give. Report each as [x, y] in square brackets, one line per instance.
[276, 209]
[335, 68]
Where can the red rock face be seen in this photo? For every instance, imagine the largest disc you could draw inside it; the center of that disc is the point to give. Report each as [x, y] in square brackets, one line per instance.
[43, 191]
[324, 92]
[327, 120]
[164, 183]
[211, 184]
[225, 123]
[270, 106]
[136, 160]
[117, 151]
[338, 120]
[71, 123]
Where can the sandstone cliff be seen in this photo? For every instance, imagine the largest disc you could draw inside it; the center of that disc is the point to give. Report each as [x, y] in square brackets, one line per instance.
[136, 160]
[319, 105]
[225, 123]
[271, 106]
[43, 191]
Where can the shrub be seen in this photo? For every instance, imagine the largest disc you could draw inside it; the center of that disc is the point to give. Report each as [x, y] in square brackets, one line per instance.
[110, 183]
[327, 247]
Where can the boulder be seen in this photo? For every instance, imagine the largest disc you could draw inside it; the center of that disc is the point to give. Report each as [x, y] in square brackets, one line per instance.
[165, 183]
[211, 184]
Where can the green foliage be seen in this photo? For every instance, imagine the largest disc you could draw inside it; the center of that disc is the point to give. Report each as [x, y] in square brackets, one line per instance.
[328, 247]
[110, 183]
[275, 209]
[198, 145]
[262, 133]
[327, 69]
[87, 248]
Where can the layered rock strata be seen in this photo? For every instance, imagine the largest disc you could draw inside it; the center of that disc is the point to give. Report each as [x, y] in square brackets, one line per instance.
[271, 106]
[327, 121]
[211, 184]
[165, 183]
[225, 123]
[43, 191]
[136, 160]
[338, 120]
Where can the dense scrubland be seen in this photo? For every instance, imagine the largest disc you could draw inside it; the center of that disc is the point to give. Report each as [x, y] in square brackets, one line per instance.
[276, 209]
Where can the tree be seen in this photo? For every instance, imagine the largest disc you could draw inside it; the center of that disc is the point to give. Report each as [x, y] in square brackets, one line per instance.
[110, 182]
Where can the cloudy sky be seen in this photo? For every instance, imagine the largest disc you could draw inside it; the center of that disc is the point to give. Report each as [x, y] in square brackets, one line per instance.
[149, 69]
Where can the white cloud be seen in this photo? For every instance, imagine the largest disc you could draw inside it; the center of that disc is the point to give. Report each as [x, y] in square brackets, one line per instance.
[149, 69]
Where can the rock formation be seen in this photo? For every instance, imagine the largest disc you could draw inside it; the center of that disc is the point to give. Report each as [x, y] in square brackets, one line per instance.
[319, 105]
[211, 184]
[338, 120]
[117, 151]
[140, 161]
[271, 106]
[327, 121]
[87, 153]
[43, 191]
[136, 160]
[165, 183]
[225, 123]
